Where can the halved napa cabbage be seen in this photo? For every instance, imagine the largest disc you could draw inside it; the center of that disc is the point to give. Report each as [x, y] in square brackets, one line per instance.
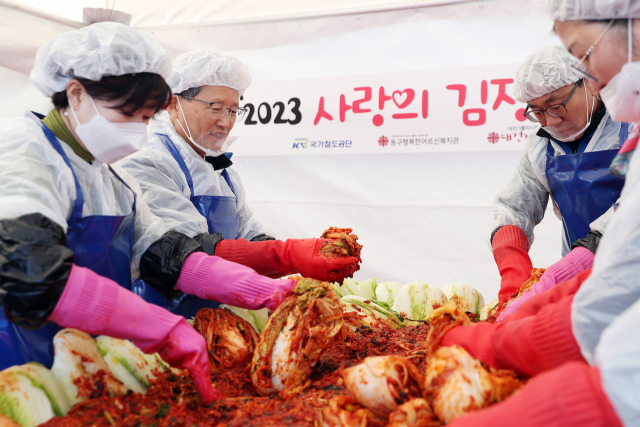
[256, 318]
[78, 365]
[466, 297]
[58, 398]
[128, 363]
[373, 312]
[24, 399]
[387, 291]
[350, 287]
[417, 300]
[367, 288]
[487, 309]
[338, 290]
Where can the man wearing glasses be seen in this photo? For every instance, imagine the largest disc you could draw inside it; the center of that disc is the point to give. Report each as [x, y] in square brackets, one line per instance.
[187, 181]
[567, 158]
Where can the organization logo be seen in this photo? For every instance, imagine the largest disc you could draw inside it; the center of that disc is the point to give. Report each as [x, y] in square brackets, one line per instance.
[301, 143]
[383, 141]
[493, 137]
[305, 143]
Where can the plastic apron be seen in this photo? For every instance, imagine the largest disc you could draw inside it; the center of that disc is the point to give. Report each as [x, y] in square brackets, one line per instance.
[582, 186]
[103, 243]
[222, 217]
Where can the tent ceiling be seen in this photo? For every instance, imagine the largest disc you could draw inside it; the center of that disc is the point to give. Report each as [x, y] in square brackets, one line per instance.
[192, 24]
[160, 13]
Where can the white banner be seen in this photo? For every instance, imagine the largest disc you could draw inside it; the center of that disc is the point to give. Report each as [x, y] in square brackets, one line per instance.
[462, 109]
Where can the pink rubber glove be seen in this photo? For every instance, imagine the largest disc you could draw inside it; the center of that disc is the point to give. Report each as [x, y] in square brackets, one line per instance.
[211, 277]
[97, 305]
[576, 261]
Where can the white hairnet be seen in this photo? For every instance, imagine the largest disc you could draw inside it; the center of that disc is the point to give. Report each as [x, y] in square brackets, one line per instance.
[544, 71]
[579, 10]
[102, 49]
[208, 68]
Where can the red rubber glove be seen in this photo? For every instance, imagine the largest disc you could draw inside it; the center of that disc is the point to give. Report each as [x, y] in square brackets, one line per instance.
[510, 250]
[97, 305]
[527, 346]
[571, 395]
[277, 258]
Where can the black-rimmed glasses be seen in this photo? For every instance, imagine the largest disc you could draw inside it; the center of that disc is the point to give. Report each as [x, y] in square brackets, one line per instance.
[217, 110]
[555, 110]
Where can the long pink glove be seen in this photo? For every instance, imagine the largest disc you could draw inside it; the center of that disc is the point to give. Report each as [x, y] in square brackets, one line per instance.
[211, 277]
[97, 305]
[576, 261]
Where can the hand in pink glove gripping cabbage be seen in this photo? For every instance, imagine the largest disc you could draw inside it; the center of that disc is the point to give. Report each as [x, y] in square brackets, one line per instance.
[579, 259]
[97, 305]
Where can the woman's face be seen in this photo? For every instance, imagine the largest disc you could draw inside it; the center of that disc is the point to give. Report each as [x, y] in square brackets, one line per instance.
[609, 55]
[81, 103]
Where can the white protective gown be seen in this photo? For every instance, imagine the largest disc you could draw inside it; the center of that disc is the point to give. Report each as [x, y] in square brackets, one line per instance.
[524, 201]
[35, 179]
[165, 187]
[618, 361]
[614, 284]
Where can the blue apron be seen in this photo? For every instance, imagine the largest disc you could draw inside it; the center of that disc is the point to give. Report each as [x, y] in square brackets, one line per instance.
[582, 186]
[222, 217]
[100, 242]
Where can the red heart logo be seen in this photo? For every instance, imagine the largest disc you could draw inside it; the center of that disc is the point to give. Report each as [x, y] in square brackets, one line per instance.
[407, 95]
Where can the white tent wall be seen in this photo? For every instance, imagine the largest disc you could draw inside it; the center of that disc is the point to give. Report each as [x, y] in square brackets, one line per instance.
[420, 216]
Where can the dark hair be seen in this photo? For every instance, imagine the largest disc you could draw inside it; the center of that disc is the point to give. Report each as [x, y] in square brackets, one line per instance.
[132, 91]
[190, 93]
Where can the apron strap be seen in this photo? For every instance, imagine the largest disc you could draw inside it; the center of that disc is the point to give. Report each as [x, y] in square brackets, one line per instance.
[79, 202]
[624, 133]
[135, 196]
[176, 155]
[227, 178]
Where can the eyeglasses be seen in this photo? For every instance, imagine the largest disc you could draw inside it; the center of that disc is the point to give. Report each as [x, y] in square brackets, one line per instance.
[555, 110]
[217, 110]
[578, 67]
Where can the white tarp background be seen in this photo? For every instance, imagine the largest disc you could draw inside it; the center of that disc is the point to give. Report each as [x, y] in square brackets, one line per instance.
[420, 215]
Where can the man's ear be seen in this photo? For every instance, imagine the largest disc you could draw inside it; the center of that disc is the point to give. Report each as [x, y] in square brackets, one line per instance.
[173, 105]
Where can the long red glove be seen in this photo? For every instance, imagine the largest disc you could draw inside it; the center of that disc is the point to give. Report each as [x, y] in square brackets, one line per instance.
[510, 250]
[571, 395]
[277, 258]
[97, 305]
[528, 346]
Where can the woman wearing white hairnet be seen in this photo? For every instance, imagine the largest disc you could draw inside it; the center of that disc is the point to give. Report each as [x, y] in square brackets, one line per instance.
[187, 181]
[603, 306]
[73, 231]
[568, 158]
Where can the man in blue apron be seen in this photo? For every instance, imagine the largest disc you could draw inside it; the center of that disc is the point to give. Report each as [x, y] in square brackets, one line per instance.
[187, 180]
[568, 159]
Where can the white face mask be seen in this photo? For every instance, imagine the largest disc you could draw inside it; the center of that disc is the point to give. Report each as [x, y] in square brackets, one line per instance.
[220, 144]
[109, 142]
[622, 94]
[570, 131]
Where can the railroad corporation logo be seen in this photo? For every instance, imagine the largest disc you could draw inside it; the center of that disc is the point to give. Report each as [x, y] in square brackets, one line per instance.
[493, 137]
[383, 141]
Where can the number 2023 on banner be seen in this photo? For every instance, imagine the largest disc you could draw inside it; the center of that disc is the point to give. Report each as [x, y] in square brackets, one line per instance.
[264, 112]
